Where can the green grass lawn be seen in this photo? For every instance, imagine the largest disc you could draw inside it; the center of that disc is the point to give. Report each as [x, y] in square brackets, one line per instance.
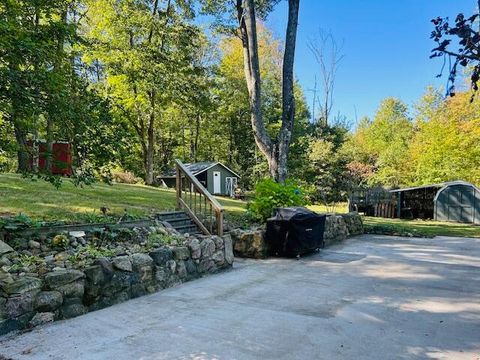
[42, 201]
[431, 228]
[339, 208]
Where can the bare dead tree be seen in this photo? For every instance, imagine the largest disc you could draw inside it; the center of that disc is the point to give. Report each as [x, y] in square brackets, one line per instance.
[328, 55]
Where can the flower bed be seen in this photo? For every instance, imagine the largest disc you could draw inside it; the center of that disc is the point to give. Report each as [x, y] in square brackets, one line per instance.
[58, 276]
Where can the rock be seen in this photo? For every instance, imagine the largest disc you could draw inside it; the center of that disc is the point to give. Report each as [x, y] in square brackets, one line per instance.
[195, 249]
[190, 267]
[205, 265]
[21, 304]
[354, 223]
[77, 234]
[32, 244]
[42, 318]
[161, 276]
[15, 323]
[218, 242]
[140, 260]
[95, 275]
[23, 285]
[73, 308]
[5, 278]
[181, 253]
[249, 243]
[122, 263]
[48, 301]
[228, 244]
[73, 289]
[138, 290]
[106, 266]
[5, 248]
[161, 230]
[143, 267]
[161, 256]
[62, 277]
[171, 266]
[3, 308]
[208, 247]
[61, 256]
[335, 229]
[4, 261]
[49, 259]
[219, 257]
[181, 269]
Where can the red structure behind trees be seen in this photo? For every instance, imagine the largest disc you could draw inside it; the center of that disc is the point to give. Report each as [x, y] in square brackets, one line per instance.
[61, 157]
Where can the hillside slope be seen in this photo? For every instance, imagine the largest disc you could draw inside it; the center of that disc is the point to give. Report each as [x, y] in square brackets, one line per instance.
[42, 201]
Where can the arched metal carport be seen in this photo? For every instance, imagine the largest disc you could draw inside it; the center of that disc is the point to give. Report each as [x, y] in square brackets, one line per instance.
[458, 201]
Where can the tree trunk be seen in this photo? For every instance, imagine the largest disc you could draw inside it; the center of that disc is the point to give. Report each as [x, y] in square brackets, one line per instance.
[276, 152]
[197, 135]
[22, 154]
[50, 116]
[150, 141]
[288, 105]
[49, 145]
[248, 32]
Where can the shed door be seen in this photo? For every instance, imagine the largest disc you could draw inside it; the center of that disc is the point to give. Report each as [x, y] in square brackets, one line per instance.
[217, 187]
[460, 201]
[231, 184]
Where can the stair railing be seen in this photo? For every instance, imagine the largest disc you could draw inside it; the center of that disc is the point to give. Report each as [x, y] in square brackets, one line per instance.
[197, 202]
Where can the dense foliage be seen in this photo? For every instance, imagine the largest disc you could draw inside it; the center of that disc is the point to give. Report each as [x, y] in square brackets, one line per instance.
[270, 195]
[134, 84]
[440, 142]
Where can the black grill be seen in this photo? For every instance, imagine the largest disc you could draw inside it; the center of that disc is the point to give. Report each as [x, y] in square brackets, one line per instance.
[295, 231]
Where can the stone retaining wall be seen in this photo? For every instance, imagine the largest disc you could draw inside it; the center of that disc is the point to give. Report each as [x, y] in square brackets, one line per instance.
[29, 300]
[338, 227]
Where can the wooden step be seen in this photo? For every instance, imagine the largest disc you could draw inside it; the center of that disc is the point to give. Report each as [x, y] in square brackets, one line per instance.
[191, 229]
[180, 221]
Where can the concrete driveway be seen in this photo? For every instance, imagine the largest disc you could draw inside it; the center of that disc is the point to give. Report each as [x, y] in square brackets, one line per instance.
[373, 297]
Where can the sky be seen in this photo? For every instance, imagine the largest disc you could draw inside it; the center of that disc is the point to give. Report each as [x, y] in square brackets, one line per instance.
[386, 45]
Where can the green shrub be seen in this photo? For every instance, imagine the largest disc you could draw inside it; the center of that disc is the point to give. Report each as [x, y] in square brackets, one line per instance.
[155, 240]
[60, 241]
[270, 195]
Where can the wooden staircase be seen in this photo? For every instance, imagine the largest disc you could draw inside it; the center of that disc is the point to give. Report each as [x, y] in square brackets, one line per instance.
[180, 221]
[197, 203]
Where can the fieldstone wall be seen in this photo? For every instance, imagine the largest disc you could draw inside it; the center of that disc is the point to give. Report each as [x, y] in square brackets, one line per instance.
[338, 227]
[31, 299]
[249, 243]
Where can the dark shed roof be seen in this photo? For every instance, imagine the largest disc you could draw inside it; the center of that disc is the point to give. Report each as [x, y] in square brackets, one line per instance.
[439, 185]
[197, 168]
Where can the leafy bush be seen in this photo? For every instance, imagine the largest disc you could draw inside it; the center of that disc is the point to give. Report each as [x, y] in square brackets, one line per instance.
[270, 195]
[60, 241]
[155, 240]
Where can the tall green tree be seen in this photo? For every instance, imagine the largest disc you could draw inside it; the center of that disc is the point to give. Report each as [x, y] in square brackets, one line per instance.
[145, 49]
[383, 143]
[32, 37]
[275, 149]
[446, 145]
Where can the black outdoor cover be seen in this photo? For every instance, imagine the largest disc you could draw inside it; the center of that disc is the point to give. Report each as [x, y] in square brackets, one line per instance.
[295, 231]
